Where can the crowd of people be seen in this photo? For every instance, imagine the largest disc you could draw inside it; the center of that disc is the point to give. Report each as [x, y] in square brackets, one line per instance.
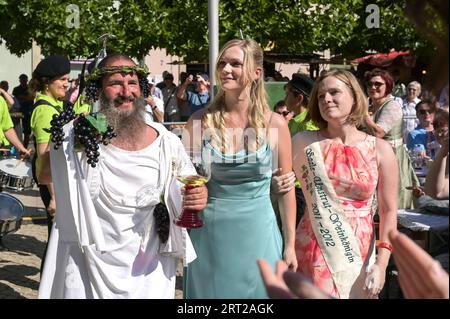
[332, 159]
[173, 103]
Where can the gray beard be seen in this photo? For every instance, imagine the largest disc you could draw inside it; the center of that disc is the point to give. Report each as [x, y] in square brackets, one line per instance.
[129, 125]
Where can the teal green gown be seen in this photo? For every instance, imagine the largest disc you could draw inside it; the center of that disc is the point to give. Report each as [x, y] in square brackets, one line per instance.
[239, 228]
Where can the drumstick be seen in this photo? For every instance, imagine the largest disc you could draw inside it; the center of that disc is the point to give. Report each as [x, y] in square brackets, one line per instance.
[18, 162]
[21, 160]
[4, 149]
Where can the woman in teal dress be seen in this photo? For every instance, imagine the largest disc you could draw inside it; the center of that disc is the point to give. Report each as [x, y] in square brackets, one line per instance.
[386, 123]
[244, 141]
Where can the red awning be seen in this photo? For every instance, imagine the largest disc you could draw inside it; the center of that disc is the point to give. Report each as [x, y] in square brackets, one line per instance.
[382, 59]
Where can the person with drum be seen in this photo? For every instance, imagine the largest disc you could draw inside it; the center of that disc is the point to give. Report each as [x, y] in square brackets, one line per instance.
[7, 133]
[50, 81]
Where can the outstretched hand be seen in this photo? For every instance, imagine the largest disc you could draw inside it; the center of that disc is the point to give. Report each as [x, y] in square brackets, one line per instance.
[286, 284]
[420, 276]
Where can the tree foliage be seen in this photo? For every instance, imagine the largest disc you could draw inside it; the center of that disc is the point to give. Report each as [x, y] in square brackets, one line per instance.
[181, 26]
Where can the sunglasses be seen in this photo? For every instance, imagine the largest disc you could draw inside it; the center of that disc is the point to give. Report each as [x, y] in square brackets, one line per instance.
[376, 84]
[284, 113]
[423, 112]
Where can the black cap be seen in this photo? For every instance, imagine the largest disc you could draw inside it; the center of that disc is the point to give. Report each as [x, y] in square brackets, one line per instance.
[53, 66]
[302, 83]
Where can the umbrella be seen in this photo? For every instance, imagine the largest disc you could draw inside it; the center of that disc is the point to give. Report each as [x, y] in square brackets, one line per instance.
[381, 59]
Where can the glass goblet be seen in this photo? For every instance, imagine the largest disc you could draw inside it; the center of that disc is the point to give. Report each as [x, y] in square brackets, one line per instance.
[189, 217]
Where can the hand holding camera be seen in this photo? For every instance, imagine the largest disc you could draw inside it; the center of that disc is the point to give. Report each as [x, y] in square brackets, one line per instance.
[189, 79]
[200, 79]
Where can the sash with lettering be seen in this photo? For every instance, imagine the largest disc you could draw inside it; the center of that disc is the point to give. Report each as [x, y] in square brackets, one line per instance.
[333, 231]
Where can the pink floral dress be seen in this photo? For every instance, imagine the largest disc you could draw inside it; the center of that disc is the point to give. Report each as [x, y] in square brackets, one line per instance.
[353, 171]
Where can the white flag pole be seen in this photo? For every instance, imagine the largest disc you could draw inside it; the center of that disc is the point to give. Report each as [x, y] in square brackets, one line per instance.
[213, 26]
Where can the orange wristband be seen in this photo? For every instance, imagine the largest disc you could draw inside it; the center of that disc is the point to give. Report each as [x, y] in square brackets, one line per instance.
[385, 245]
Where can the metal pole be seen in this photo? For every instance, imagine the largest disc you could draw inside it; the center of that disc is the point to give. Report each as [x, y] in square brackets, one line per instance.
[213, 36]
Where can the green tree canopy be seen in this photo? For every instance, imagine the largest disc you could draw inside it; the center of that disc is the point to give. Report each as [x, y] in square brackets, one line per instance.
[181, 26]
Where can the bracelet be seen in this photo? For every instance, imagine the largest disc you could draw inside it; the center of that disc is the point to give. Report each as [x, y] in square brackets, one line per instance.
[385, 245]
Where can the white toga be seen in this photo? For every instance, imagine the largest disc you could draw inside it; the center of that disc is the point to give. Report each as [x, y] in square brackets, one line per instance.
[103, 244]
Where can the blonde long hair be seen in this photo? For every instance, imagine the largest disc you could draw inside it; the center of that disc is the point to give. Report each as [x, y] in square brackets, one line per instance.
[213, 118]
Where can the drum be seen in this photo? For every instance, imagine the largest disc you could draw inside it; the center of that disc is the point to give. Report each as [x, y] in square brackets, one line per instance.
[11, 211]
[16, 174]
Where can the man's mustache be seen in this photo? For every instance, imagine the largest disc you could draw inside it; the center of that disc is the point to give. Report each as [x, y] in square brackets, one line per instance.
[123, 99]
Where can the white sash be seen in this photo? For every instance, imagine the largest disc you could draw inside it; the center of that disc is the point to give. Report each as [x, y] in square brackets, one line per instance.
[333, 232]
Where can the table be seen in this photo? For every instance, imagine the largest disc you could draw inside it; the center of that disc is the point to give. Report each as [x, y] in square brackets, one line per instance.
[422, 226]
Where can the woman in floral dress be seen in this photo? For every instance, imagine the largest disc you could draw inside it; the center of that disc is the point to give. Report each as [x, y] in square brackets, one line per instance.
[343, 169]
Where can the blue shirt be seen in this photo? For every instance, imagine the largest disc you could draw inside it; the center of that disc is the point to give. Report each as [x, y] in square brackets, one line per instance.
[421, 136]
[197, 101]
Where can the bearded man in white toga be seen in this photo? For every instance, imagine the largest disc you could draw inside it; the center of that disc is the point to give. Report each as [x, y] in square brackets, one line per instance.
[105, 243]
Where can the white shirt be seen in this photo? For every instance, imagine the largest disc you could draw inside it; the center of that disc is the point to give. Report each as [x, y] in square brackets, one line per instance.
[158, 93]
[410, 120]
[148, 108]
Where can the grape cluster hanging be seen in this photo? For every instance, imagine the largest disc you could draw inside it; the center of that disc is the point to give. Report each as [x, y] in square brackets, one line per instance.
[90, 130]
[57, 123]
[162, 222]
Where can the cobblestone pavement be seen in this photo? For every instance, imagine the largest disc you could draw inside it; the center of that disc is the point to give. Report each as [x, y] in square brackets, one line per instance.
[19, 265]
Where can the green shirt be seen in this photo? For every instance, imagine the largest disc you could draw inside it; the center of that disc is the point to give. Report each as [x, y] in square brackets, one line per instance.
[298, 124]
[5, 121]
[41, 117]
[79, 107]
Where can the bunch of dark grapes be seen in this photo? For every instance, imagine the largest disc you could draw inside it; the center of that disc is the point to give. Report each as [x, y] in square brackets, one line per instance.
[162, 222]
[89, 137]
[57, 123]
[108, 135]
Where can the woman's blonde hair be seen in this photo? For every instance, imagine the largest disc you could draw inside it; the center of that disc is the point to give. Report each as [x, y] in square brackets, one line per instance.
[360, 108]
[213, 118]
